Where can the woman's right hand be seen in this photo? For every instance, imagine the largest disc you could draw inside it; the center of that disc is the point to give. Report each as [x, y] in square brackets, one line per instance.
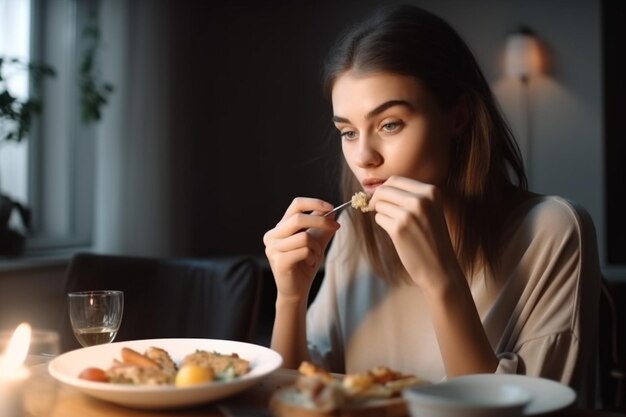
[295, 247]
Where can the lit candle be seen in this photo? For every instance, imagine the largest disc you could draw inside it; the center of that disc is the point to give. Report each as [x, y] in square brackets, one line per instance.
[13, 374]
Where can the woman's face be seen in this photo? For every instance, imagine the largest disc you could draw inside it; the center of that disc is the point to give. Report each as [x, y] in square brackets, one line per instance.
[391, 125]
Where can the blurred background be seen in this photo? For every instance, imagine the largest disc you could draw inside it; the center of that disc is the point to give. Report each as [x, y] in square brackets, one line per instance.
[216, 119]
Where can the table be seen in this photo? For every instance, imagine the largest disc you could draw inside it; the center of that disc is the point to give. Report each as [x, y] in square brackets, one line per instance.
[47, 398]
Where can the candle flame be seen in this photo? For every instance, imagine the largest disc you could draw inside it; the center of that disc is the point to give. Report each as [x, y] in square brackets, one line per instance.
[16, 350]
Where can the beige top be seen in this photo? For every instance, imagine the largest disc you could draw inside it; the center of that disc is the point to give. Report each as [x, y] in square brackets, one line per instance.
[539, 314]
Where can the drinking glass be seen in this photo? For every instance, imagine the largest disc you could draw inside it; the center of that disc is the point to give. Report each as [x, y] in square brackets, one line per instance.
[96, 315]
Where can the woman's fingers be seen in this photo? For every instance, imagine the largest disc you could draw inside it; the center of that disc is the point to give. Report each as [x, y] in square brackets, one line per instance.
[412, 214]
[405, 192]
[298, 223]
[297, 241]
[302, 215]
[306, 205]
[408, 185]
[301, 236]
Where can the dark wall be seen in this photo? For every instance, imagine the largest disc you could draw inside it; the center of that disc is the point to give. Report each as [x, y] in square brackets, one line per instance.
[34, 294]
[251, 127]
[614, 40]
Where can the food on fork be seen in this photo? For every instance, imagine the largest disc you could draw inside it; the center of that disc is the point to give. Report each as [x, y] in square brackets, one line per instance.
[360, 201]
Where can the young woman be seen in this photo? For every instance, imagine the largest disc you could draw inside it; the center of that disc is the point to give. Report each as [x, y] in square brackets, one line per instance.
[457, 268]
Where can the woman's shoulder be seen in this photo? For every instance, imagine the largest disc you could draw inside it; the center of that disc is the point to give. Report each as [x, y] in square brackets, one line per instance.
[551, 230]
[552, 215]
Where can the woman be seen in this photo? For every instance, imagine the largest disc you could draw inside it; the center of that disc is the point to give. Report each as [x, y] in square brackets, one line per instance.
[457, 269]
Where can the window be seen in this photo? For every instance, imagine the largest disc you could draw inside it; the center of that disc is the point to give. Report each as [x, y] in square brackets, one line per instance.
[53, 173]
[15, 43]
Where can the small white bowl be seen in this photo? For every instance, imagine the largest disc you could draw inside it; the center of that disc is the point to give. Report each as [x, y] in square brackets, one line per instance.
[467, 398]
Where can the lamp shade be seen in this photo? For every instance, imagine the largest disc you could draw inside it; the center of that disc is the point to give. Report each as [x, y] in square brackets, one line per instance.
[523, 55]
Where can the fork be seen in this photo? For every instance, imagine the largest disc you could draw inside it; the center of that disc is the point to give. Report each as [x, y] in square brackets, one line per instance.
[339, 207]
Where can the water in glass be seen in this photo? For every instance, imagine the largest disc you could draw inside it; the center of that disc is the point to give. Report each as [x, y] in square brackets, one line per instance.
[96, 315]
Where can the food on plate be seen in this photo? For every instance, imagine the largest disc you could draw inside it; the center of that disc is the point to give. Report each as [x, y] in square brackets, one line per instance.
[94, 374]
[156, 367]
[193, 374]
[138, 375]
[317, 389]
[226, 367]
[360, 201]
[132, 357]
[308, 369]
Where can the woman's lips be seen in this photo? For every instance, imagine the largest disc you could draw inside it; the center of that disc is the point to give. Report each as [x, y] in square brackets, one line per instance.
[370, 184]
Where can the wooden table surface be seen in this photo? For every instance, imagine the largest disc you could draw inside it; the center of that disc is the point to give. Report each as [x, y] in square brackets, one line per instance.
[44, 397]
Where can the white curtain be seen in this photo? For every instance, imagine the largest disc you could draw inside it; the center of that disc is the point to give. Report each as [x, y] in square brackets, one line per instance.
[132, 172]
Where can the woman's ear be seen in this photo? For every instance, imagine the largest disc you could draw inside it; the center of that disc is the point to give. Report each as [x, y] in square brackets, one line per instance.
[460, 115]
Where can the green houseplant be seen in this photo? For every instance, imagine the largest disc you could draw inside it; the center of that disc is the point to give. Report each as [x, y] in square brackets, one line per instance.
[16, 118]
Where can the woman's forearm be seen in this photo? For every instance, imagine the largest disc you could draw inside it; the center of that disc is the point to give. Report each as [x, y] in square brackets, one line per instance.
[463, 343]
[289, 333]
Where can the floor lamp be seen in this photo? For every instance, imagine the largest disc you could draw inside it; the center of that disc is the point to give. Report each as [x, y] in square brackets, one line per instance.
[523, 60]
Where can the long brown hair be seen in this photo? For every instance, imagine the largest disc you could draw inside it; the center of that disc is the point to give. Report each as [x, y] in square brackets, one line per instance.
[486, 165]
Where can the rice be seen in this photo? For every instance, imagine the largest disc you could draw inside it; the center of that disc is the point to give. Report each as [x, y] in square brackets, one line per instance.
[360, 201]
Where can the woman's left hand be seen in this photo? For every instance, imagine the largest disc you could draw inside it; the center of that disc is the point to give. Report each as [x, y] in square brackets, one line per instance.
[411, 212]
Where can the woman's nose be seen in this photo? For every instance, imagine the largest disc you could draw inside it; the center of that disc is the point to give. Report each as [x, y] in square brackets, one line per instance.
[367, 154]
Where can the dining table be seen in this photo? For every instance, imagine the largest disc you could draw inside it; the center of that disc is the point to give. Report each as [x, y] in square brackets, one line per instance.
[46, 397]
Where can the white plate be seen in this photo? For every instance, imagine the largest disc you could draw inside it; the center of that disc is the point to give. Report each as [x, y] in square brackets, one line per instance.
[546, 395]
[452, 398]
[67, 366]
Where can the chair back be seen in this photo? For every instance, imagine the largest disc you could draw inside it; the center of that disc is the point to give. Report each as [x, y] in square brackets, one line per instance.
[610, 346]
[172, 298]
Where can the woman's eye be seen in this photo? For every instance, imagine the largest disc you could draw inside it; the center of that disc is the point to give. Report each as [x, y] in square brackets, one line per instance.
[391, 127]
[349, 134]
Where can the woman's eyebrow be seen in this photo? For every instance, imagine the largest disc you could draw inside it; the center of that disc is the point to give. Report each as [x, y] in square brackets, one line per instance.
[379, 109]
[388, 104]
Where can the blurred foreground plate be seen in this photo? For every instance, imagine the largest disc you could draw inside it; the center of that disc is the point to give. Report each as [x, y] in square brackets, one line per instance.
[545, 395]
[290, 402]
[66, 367]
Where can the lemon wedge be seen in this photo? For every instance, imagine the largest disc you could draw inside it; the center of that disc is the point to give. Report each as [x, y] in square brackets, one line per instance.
[193, 374]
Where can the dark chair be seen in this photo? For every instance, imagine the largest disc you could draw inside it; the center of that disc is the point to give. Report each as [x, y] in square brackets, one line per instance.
[206, 298]
[611, 343]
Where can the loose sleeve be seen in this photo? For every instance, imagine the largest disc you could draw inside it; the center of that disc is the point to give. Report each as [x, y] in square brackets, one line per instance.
[553, 356]
[324, 324]
[554, 290]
